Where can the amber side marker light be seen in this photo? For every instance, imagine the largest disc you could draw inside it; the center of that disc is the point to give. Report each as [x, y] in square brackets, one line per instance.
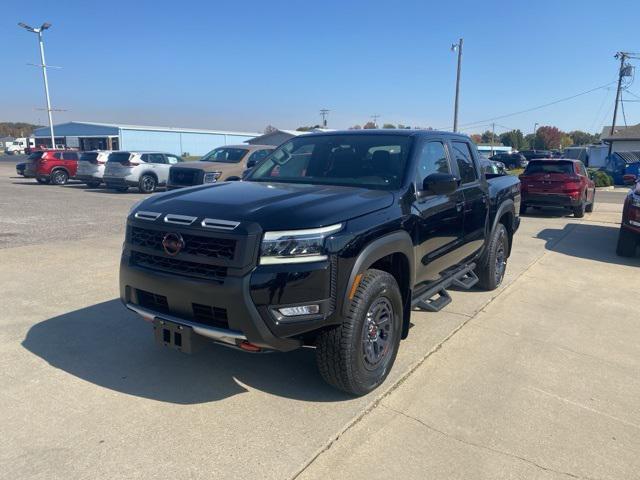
[354, 287]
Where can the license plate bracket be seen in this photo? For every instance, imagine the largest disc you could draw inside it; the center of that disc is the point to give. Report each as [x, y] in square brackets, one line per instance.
[175, 336]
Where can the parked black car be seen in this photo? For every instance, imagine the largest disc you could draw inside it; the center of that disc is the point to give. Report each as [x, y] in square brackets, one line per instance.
[533, 154]
[330, 242]
[510, 160]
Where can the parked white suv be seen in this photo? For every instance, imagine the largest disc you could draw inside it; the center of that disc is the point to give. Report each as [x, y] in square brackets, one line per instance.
[91, 167]
[144, 170]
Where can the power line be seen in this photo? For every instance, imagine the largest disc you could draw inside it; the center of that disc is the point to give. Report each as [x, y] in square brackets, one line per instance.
[519, 112]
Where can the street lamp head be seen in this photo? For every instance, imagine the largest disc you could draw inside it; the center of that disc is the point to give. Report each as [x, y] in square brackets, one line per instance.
[26, 27]
[454, 47]
[45, 26]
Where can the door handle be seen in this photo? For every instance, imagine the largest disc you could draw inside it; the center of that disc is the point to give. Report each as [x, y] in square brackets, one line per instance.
[459, 206]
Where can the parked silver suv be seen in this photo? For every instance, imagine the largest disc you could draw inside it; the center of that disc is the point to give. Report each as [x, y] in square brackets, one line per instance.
[144, 170]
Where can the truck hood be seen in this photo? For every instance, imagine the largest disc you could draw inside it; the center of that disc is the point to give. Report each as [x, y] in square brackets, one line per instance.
[205, 166]
[274, 206]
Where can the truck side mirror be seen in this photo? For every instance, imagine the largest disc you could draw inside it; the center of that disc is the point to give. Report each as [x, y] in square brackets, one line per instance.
[440, 184]
[251, 163]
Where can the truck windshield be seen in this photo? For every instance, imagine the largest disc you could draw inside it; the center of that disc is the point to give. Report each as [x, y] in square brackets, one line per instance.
[225, 155]
[547, 166]
[372, 161]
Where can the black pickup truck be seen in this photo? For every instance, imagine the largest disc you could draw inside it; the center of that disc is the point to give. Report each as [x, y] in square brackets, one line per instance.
[331, 241]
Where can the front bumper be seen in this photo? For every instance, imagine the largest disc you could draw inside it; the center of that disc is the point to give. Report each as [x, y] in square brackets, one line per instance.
[550, 200]
[242, 306]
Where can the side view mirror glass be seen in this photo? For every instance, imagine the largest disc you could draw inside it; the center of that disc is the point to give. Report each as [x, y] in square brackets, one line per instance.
[440, 184]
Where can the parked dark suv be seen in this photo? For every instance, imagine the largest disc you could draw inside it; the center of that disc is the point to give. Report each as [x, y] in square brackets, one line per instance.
[331, 242]
[510, 160]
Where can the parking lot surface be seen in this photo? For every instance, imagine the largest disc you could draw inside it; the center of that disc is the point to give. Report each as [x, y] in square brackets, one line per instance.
[538, 379]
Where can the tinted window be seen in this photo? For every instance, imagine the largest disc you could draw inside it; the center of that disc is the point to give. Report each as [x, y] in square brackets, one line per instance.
[259, 155]
[57, 155]
[156, 158]
[70, 156]
[462, 152]
[35, 156]
[172, 159]
[432, 159]
[374, 161]
[120, 157]
[225, 155]
[549, 167]
[89, 157]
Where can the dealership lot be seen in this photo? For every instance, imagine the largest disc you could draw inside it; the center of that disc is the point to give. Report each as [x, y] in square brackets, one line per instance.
[538, 379]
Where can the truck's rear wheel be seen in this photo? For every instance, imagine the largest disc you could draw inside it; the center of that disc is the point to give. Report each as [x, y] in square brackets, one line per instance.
[492, 268]
[356, 357]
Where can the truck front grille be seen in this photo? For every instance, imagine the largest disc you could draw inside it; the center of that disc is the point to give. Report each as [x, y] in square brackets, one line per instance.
[209, 247]
[179, 267]
[184, 176]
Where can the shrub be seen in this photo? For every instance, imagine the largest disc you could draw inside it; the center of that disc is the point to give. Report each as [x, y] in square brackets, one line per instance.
[601, 179]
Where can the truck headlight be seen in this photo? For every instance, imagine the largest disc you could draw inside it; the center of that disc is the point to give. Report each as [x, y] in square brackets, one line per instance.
[211, 177]
[296, 246]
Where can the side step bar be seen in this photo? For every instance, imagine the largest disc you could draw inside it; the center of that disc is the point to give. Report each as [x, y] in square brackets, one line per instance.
[435, 298]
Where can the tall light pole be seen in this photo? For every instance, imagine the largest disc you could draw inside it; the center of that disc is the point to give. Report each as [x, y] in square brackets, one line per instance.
[535, 132]
[43, 64]
[323, 113]
[457, 47]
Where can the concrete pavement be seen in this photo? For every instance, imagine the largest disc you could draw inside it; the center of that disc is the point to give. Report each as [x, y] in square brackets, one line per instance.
[87, 394]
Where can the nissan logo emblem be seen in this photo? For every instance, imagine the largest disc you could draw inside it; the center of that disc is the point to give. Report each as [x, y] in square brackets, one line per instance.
[172, 243]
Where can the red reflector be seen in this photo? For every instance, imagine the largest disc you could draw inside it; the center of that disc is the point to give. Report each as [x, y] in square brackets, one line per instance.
[249, 347]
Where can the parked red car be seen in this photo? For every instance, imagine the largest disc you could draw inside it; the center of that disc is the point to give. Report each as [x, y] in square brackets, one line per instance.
[52, 166]
[629, 236]
[561, 183]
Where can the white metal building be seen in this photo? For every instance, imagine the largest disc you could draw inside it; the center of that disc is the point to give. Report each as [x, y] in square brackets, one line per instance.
[109, 136]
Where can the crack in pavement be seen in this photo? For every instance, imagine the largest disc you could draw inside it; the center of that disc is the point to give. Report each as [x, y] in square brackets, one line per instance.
[485, 447]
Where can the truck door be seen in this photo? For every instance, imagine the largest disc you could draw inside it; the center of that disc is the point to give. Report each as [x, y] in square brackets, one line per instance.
[476, 197]
[439, 231]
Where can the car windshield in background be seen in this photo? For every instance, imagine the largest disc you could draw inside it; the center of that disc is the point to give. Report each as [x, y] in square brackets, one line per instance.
[119, 157]
[36, 156]
[372, 161]
[89, 157]
[225, 155]
[549, 167]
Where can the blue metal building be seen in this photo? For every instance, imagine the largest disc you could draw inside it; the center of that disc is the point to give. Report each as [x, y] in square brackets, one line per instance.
[108, 136]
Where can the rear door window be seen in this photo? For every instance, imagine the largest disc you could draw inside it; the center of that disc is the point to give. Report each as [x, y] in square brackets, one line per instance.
[432, 159]
[120, 157]
[259, 155]
[89, 157]
[464, 159]
[57, 155]
[156, 158]
[70, 156]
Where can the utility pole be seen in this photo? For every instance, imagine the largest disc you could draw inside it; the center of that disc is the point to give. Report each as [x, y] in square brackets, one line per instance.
[535, 132]
[43, 64]
[622, 56]
[375, 120]
[493, 134]
[458, 47]
[323, 113]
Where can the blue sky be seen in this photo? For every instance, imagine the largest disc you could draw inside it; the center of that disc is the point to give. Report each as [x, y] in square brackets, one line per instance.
[244, 65]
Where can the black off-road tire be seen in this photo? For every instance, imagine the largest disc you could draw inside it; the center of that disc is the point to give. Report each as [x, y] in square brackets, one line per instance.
[589, 208]
[578, 211]
[147, 183]
[627, 243]
[492, 268]
[340, 352]
[59, 177]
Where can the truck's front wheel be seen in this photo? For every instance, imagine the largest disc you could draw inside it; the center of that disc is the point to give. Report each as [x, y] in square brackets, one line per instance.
[492, 267]
[356, 357]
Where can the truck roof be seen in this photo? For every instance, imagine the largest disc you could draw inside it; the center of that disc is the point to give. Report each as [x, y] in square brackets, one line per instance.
[389, 131]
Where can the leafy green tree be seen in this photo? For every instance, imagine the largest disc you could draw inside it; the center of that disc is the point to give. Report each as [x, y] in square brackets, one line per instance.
[578, 137]
[513, 139]
[369, 125]
[487, 136]
[388, 125]
[305, 128]
[529, 141]
[16, 129]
